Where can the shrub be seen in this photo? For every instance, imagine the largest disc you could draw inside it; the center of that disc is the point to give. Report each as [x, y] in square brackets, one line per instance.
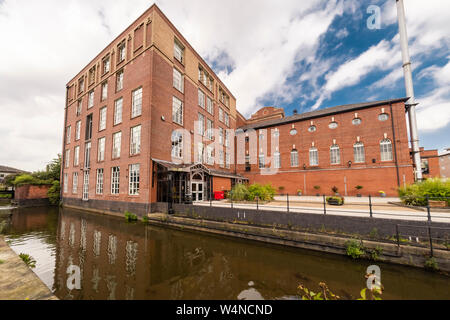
[355, 249]
[335, 189]
[239, 192]
[335, 200]
[264, 193]
[431, 264]
[435, 189]
[359, 187]
[130, 217]
[54, 193]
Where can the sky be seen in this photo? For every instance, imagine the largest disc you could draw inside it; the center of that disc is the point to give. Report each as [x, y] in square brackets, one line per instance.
[300, 55]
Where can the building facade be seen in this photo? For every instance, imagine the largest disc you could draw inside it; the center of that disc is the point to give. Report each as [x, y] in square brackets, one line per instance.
[148, 121]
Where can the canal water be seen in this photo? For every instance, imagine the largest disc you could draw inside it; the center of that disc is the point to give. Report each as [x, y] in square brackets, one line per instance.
[120, 260]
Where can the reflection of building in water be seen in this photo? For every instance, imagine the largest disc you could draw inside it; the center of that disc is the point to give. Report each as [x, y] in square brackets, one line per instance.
[118, 260]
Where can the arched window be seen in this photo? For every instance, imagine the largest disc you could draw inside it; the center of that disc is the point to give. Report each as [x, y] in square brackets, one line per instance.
[313, 157]
[359, 153]
[294, 158]
[335, 154]
[277, 160]
[386, 150]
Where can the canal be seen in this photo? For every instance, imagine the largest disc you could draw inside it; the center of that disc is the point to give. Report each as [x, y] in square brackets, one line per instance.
[120, 260]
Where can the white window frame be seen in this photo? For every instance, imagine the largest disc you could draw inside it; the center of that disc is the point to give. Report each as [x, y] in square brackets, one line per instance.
[178, 80]
[119, 81]
[313, 157]
[177, 111]
[177, 145]
[386, 150]
[102, 119]
[78, 130]
[209, 105]
[115, 180]
[118, 111]
[91, 99]
[100, 181]
[201, 99]
[359, 152]
[136, 109]
[294, 158]
[101, 149]
[134, 180]
[66, 184]
[335, 155]
[75, 183]
[76, 156]
[117, 145]
[135, 140]
[104, 91]
[277, 160]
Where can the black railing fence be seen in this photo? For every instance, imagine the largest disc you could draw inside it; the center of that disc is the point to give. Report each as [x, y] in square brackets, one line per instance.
[414, 234]
[327, 204]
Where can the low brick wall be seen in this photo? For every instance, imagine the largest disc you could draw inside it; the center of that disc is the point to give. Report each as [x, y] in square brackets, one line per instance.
[30, 195]
[313, 222]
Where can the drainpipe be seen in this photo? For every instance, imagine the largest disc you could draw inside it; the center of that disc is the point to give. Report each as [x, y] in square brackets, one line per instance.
[63, 153]
[411, 103]
[395, 145]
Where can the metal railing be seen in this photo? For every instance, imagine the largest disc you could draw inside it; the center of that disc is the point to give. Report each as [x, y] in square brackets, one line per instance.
[366, 206]
[443, 243]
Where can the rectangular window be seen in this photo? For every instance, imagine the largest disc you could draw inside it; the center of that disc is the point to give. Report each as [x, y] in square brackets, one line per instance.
[177, 111]
[313, 157]
[359, 153]
[101, 149]
[209, 105]
[106, 65]
[220, 115]
[201, 99]
[75, 183]
[76, 156]
[262, 163]
[220, 136]
[221, 160]
[92, 75]
[178, 51]
[99, 184]
[178, 81]
[136, 109]
[118, 111]
[201, 124]
[88, 135]
[119, 81]
[86, 186]
[227, 119]
[68, 133]
[102, 124]
[78, 130]
[115, 180]
[335, 155]
[79, 107]
[104, 91]
[227, 160]
[200, 152]
[177, 145]
[117, 141]
[277, 160]
[134, 180]
[87, 155]
[91, 99]
[66, 186]
[227, 139]
[209, 129]
[67, 159]
[81, 85]
[135, 140]
[294, 159]
[209, 155]
[121, 48]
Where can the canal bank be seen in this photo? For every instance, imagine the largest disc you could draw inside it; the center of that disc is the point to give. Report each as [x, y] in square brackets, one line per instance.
[17, 281]
[378, 251]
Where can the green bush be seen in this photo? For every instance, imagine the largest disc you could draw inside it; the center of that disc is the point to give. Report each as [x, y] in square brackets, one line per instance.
[355, 249]
[239, 192]
[54, 193]
[264, 193]
[29, 260]
[415, 194]
[336, 199]
[431, 264]
[130, 217]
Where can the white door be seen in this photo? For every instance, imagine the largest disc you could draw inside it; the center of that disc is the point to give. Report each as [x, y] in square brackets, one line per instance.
[197, 191]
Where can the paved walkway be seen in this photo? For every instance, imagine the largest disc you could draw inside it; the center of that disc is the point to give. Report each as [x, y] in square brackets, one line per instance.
[17, 281]
[381, 209]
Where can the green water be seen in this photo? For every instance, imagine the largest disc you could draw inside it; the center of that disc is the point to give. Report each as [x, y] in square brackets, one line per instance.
[119, 260]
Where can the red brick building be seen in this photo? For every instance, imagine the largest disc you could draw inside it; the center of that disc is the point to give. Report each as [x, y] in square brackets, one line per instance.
[148, 121]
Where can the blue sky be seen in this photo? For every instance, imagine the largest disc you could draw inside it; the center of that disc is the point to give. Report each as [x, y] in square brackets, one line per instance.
[303, 55]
